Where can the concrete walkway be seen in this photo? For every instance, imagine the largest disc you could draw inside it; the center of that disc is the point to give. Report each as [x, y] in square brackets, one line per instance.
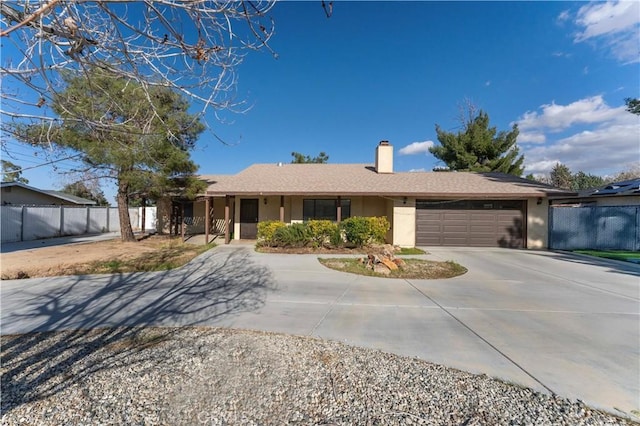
[554, 322]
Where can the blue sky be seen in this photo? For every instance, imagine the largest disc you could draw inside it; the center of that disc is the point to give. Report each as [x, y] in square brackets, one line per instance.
[393, 70]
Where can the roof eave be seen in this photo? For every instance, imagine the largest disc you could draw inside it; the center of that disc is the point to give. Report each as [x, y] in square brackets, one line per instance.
[440, 195]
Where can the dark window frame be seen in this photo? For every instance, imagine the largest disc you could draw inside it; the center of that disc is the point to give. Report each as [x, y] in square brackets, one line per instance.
[325, 209]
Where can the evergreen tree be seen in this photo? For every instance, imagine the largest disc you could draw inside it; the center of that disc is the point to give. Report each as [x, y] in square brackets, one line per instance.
[633, 105]
[143, 145]
[80, 189]
[12, 172]
[301, 158]
[582, 180]
[479, 148]
[561, 177]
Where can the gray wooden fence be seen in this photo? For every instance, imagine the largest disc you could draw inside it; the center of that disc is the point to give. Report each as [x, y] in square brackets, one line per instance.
[25, 223]
[594, 227]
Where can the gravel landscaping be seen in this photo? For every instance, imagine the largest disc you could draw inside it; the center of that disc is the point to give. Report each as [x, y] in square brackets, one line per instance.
[212, 376]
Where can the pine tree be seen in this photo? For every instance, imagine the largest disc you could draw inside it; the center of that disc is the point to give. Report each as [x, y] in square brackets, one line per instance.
[561, 177]
[479, 148]
[142, 145]
[12, 172]
[301, 158]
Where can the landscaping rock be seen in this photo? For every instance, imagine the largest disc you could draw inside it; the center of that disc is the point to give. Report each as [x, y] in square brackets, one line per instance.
[381, 268]
[209, 376]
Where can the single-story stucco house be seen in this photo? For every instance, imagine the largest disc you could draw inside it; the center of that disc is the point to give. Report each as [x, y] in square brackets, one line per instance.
[19, 194]
[423, 208]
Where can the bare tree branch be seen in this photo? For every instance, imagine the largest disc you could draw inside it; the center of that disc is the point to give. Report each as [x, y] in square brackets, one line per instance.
[328, 8]
[193, 47]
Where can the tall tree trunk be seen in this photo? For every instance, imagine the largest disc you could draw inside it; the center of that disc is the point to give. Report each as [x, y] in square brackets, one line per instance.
[126, 232]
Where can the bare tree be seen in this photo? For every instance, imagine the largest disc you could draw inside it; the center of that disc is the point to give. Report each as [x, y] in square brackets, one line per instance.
[193, 47]
[467, 111]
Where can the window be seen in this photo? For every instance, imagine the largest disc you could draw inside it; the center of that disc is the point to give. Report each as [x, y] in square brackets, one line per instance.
[324, 209]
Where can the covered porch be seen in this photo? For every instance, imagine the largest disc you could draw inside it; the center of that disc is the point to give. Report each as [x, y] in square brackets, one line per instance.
[236, 217]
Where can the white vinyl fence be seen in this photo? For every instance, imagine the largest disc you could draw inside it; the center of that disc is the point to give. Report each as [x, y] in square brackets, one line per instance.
[25, 223]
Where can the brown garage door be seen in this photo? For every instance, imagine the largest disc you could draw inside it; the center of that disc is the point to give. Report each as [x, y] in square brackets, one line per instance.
[486, 224]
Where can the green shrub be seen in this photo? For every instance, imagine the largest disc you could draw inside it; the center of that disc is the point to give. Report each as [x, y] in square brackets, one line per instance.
[321, 231]
[294, 235]
[336, 239]
[378, 228]
[361, 231]
[356, 230]
[267, 231]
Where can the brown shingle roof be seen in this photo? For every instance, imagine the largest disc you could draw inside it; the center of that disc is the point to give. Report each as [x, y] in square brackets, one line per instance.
[361, 179]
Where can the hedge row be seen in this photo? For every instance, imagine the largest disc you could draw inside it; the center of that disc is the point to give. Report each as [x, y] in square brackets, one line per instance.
[355, 231]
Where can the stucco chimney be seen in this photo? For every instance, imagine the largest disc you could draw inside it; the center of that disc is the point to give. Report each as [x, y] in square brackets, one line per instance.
[384, 157]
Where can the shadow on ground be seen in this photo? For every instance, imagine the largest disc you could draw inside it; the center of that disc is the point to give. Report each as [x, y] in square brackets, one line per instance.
[111, 310]
[612, 265]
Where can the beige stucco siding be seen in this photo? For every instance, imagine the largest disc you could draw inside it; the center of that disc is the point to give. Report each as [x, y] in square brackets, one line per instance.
[404, 223]
[236, 217]
[537, 227]
[371, 206]
[293, 208]
[401, 215]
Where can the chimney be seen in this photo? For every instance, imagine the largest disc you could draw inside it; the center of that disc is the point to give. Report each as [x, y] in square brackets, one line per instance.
[384, 157]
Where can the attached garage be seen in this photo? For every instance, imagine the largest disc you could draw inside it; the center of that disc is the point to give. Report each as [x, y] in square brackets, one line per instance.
[472, 223]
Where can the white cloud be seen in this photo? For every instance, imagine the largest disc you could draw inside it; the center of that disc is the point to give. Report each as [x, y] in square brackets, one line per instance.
[420, 170]
[487, 83]
[540, 167]
[416, 148]
[614, 25]
[565, 15]
[559, 117]
[609, 17]
[531, 137]
[597, 138]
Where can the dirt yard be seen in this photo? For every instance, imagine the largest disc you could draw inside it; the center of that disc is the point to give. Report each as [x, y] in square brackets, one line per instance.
[87, 257]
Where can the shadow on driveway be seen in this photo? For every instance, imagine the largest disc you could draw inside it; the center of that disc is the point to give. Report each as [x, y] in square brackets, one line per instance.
[611, 264]
[217, 283]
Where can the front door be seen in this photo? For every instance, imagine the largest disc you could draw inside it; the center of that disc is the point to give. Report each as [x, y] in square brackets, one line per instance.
[248, 219]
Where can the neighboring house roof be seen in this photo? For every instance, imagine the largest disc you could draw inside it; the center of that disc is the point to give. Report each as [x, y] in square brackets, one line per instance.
[69, 197]
[627, 187]
[72, 199]
[616, 189]
[362, 179]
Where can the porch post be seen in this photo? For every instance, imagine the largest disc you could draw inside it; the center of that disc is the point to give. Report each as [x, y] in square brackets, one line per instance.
[207, 219]
[282, 208]
[182, 224]
[227, 234]
[144, 214]
[339, 209]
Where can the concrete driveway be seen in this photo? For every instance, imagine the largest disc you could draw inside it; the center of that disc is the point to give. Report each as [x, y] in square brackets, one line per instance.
[554, 322]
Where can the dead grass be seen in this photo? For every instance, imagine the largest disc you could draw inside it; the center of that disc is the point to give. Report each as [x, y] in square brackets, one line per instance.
[155, 253]
[413, 268]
